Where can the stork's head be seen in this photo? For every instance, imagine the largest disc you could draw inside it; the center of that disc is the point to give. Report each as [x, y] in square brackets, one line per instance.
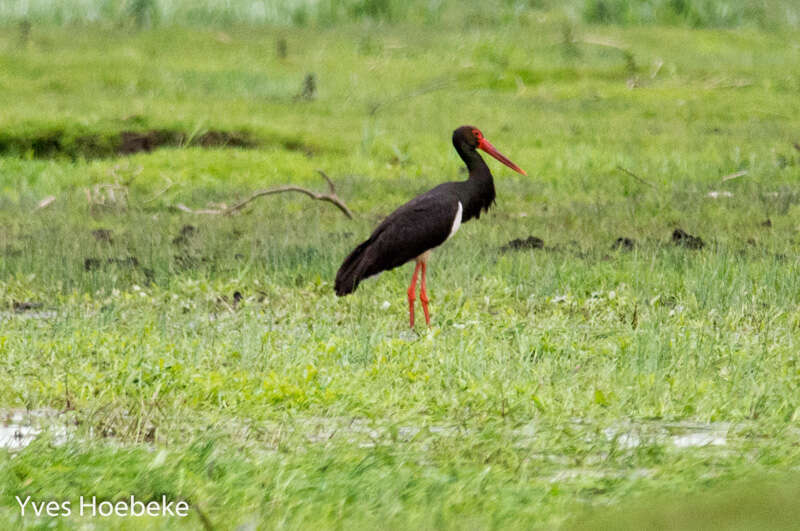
[471, 138]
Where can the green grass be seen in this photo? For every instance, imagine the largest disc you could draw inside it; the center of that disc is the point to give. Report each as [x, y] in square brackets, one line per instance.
[296, 409]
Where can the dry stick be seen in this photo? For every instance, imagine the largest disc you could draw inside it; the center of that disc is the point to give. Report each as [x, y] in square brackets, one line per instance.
[162, 192]
[603, 42]
[629, 172]
[724, 84]
[330, 197]
[46, 202]
[184, 208]
[734, 175]
[438, 85]
[657, 69]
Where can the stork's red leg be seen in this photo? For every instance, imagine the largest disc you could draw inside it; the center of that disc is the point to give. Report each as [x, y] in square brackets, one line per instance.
[423, 294]
[412, 289]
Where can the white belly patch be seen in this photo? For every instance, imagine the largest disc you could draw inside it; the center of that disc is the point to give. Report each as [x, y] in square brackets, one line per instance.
[456, 221]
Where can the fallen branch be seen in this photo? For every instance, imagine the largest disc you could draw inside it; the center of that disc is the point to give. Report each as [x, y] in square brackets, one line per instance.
[725, 83]
[330, 197]
[437, 85]
[629, 172]
[107, 195]
[734, 175]
[162, 192]
[657, 68]
[608, 43]
[46, 202]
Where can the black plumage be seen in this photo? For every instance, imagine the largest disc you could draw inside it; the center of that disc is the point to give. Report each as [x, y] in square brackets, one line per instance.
[421, 224]
[426, 221]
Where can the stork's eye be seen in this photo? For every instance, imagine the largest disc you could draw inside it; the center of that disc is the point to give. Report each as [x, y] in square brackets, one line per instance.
[477, 133]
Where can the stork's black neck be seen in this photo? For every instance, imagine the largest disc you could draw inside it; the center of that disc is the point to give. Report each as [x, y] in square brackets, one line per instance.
[477, 192]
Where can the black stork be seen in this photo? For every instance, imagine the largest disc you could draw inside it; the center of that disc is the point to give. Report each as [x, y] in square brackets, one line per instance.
[425, 222]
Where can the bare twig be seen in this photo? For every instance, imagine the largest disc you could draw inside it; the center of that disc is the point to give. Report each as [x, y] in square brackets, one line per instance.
[170, 184]
[734, 175]
[608, 43]
[629, 172]
[107, 195]
[46, 202]
[184, 208]
[133, 174]
[656, 68]
[330, 197]
[725, 83]
[440, 84]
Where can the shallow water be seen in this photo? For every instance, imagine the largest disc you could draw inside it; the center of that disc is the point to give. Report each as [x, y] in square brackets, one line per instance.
[15, 435]
[677, 434]
[20, 428]
[34, 314]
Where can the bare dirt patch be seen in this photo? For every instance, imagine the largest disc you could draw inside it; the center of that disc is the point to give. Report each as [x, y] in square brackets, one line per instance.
[520, 244]
[103, 235]
[25, 306]
[187, 232]
[136, 141]
[684, 239]
[624, 243]
[62, 143]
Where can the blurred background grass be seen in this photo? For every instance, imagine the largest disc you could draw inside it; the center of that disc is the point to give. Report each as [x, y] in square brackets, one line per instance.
[764, 14]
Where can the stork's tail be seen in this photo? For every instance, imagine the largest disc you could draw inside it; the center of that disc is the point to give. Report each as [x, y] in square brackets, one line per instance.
[353, 270]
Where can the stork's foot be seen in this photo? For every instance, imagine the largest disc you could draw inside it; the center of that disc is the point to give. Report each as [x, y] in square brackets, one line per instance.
[423, 297]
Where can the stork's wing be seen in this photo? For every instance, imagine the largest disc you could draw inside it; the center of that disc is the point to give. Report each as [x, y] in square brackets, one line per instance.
[421, 224]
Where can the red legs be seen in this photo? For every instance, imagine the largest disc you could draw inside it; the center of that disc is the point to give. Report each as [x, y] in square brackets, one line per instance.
[422, 263]
[423, 294]
[412, 289]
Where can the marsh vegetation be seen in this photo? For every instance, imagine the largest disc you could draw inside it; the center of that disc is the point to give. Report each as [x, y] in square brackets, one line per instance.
[599, 360]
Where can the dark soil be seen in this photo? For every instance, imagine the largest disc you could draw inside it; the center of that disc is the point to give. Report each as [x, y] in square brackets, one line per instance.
[149, 275]
[518, 244]
[187, 232]
[90, 264]
[61, 143]
[25, 306]
[136, 141]
[102, 235]
[624, 243]
[684, 239]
